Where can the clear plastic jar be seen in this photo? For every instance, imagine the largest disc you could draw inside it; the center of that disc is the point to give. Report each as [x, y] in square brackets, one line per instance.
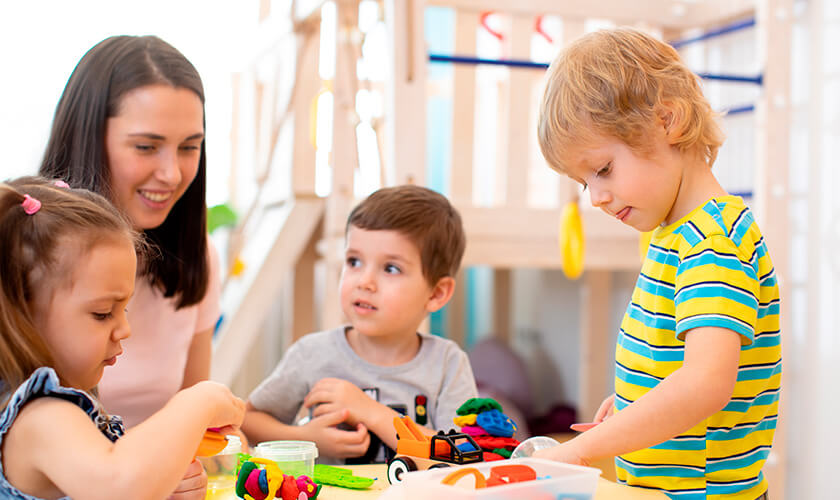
[221, 470]
[294, 458]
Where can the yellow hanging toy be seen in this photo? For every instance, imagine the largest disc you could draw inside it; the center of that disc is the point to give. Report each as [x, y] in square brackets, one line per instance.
[571, 240]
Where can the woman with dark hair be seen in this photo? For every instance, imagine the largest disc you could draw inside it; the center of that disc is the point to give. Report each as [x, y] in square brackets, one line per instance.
[130, 125]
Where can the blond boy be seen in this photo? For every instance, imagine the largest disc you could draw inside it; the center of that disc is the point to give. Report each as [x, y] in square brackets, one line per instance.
[698, 360]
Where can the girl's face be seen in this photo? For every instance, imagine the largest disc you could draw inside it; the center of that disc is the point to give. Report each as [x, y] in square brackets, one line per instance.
[83, 319]
[153, 146]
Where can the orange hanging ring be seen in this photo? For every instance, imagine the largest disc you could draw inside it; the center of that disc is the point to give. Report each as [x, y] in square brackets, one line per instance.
[482, 20]
[540, 31]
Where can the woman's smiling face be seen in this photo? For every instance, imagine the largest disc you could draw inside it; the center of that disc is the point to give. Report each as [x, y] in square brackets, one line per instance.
[153, 147]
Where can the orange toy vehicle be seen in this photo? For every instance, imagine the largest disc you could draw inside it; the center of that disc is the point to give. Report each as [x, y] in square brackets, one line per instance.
[417, 451]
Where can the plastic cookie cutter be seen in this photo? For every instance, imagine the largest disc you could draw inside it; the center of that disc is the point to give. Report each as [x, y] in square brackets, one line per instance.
[212, 443]
[454, 476]
[509, 474]
[499, 475]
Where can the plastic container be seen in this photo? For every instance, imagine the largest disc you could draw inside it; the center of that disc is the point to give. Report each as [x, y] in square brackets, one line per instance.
[555, 481]
[294, 458]
[221, 470]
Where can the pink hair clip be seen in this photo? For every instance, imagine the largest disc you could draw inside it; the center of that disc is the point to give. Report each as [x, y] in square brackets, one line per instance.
[60, 183]
[30, 205]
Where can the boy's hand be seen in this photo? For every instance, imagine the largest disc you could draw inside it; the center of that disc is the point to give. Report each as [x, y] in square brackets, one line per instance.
[605, 411]
[193, 486]
[563, 452]
[333, 441]
[329, 395]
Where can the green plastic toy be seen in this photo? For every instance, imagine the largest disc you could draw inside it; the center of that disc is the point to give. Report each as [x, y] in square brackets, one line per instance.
[338, 476]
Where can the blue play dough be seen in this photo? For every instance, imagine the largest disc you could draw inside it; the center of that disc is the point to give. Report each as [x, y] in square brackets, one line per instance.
[495, 423]
[263, 481]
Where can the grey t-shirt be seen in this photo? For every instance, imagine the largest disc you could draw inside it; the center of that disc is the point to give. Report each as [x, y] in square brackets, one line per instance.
[440, 374]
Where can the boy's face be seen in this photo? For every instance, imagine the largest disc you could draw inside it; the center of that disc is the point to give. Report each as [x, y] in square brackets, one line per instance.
[383, 290]
[639, 190]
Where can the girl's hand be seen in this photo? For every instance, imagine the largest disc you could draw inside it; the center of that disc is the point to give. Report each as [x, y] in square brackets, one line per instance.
[334, 442]
[605, 411]
[193, 486]
[229, 410]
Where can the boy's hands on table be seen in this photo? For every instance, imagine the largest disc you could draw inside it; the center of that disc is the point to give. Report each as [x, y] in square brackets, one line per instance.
[331, 441]
[329, 395]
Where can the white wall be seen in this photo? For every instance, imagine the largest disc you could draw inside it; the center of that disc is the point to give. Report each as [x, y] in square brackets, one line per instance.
[41, 42]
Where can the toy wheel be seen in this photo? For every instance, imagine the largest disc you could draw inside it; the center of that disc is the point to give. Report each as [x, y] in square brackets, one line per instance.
[397, 467]
[439, 466]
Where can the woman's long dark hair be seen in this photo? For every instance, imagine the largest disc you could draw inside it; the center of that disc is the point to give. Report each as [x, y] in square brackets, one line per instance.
[76, 150]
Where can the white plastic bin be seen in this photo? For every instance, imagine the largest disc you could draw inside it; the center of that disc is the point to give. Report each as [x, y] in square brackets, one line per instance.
[555, 481]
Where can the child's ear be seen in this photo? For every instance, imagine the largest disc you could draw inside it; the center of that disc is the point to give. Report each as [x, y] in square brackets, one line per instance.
[441, 293]
[670, 116]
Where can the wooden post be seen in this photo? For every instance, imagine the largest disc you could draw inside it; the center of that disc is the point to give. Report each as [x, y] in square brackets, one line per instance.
[405, 93]
[344, 153]
[308, 86]
[772, 197]
[572, 30]
[502, 324]
[463, 111]
[594, 384]
[303, 300]
[517, 123]
[456, 322]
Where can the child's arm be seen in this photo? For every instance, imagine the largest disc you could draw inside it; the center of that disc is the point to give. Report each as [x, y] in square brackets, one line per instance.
[322, 430]
[54, 441]
[698, 389]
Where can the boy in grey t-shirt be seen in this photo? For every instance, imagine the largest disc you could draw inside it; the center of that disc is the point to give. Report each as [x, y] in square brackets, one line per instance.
[403, 248]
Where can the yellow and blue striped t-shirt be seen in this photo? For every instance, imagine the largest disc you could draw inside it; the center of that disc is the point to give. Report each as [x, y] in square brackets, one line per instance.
[710, 268]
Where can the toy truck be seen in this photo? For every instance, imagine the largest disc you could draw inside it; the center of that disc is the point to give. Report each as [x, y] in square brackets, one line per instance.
[417, 451]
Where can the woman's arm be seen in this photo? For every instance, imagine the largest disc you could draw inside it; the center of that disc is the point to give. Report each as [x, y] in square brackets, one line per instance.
[198, 358]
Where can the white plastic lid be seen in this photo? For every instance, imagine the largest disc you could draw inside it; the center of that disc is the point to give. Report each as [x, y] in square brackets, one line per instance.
[287, 451]
[234, 445]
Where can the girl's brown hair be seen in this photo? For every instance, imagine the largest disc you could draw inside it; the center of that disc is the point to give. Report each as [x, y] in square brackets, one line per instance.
[31, 248]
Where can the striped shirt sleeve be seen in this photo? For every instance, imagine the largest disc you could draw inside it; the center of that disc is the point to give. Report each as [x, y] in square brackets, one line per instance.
[716, 287]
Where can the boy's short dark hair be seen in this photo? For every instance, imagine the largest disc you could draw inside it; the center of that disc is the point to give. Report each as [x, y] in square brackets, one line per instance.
[425, 217]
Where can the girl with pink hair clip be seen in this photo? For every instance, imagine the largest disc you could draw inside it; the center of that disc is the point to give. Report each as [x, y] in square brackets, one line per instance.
[68, 263]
